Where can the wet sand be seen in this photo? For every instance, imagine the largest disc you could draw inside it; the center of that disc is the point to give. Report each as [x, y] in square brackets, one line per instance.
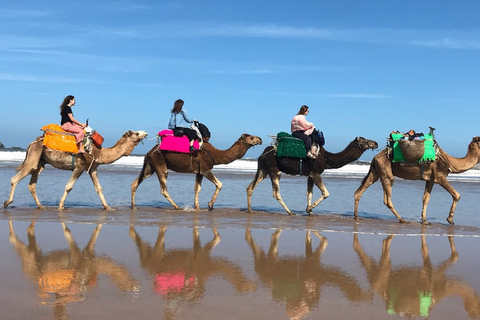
[158, 263]
[163, 264]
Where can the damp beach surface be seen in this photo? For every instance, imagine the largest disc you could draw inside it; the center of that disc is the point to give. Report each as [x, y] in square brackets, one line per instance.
[158, 263]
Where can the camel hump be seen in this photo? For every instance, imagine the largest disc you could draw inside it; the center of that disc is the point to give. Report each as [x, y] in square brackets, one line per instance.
[54, 137]
[412, 147]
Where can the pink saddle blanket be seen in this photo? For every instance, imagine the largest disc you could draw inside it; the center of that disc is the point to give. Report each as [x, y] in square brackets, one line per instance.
[177, 144]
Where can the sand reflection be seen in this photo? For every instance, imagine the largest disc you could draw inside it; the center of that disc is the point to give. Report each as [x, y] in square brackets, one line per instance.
[298, 280]
[65, 276]
[180, 275]
[415, 290]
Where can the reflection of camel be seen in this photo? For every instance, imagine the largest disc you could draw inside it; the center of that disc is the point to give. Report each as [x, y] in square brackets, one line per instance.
[269, 164]
[38, 155]
[415, 290]
[436, 172]
[67, 275]
[298, 280]
[181, 275]
[201, 162]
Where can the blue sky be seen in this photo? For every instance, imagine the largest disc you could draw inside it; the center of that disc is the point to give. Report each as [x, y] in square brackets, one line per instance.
[365, 68]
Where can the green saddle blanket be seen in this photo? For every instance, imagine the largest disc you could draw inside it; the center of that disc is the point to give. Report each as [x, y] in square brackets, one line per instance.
[429, 154]
[289, 146]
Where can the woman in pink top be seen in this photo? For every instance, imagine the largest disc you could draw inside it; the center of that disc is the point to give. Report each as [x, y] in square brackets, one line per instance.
[302, 129]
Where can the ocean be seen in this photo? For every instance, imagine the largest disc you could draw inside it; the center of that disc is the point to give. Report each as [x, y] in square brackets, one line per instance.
[341, 183]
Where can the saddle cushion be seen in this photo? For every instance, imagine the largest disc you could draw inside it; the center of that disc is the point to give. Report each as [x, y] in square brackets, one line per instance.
[177, 144]
[429, 153]
[54, 137]
[289, 146]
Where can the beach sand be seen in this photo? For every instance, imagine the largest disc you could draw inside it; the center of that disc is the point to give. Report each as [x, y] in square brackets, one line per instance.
[157, 263]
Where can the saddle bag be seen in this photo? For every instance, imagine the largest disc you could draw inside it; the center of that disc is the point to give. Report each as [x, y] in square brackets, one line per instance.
[97, 139]
[412, 150]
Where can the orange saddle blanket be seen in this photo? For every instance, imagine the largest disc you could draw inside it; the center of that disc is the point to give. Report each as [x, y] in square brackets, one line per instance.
[56, 138]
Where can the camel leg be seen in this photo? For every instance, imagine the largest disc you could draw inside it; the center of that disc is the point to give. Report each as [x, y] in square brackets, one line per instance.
[134, 186]
[32, 186]
[196, 190]
[317, 179]
[426, 199]
[162, 179]
[276, 192]
[98, 188]
[29, 165]
[455, 196]
[259, 176]
[14, 182]
[387, 197]
[75, 175]
[211, 177]
[369, 179]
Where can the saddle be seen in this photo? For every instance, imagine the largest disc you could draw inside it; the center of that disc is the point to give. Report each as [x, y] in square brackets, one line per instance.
[55, 138]
[289, 146]
[412, 147]
[177, 144]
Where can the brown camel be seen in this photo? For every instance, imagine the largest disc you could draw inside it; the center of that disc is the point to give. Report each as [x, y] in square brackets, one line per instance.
[413, 291]
[271, 165]
[38, 155]
[67, 275]
[192, 267]
[201, 162]
[298, 280]
[435, 172]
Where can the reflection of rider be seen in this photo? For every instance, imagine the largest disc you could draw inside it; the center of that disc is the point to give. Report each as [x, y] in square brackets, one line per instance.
[298, 280]
[67, 275]
[181, 275]
[70, 124]
[179, 118]
[415, 290]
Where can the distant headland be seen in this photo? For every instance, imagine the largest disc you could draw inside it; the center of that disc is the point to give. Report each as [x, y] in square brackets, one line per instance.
[3, 148]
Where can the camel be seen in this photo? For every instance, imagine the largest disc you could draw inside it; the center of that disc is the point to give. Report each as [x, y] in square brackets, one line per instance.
[271, 165]
[201, 163]
[298, 280]
[437, 171]
[191, 267]
[413, 291]
[67, 275]
[37, 156]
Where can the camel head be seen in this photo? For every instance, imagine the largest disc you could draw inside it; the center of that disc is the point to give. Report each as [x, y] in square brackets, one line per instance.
[251, 140]
[474, 146]
[135, 136]
[365, 144]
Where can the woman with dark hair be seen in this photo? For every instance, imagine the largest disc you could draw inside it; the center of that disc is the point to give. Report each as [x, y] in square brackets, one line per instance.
[303, 129]
[179, 118]
[70, 124]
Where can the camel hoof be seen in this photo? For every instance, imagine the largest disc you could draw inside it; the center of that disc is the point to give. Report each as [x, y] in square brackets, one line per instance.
[134, 208]
[309, 210]
[210, 206]
[110, 209]
[292, 214]
[401, 221]
[450, 220]
[62, 208]
[426, 223]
